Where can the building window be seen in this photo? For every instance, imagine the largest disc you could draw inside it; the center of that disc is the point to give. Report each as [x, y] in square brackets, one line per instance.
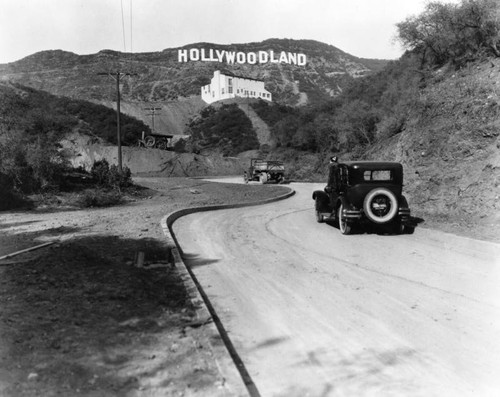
[230, 90]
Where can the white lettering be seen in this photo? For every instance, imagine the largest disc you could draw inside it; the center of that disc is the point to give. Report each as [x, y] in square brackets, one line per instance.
[263, 57]
[211, 55]
[203, 57]
[252, 58]
[271, 55]
[241, 57]
[230, 56]
[194, 54]
[301, 59]
[283, 57]
[182, 55]
[220, 55]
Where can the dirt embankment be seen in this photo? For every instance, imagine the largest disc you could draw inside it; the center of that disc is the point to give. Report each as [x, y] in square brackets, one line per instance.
[170, 117]
[83, 151]
[80, 318]
[450, 147]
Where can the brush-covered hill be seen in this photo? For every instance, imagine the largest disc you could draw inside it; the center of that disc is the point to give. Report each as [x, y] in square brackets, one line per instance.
[175, 86]
[450, 146]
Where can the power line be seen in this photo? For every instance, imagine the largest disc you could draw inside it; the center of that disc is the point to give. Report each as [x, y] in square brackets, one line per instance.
[131, 30]
[152, 114]
[123, 29]
[116, 76]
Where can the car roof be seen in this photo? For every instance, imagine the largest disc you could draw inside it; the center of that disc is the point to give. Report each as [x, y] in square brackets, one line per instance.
[372, 165]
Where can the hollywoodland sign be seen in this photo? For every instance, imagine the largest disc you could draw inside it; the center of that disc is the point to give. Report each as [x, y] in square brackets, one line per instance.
[252, 58]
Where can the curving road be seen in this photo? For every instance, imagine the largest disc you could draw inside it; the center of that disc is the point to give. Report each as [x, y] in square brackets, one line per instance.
[314, 313]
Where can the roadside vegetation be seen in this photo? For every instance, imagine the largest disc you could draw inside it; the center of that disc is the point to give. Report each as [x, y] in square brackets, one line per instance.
[76, 313]
[32, 123]
[445, 41]
[379, 106]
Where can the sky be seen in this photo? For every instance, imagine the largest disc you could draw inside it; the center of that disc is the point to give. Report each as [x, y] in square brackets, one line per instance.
[363, 28]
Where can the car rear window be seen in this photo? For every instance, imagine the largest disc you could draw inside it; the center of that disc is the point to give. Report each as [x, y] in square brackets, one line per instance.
[377, 175]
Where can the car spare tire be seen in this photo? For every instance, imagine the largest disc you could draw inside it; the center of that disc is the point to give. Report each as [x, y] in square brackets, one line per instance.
[380, 205]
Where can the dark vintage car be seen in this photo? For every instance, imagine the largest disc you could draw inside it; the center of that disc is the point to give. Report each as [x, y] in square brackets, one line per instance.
[360, 193]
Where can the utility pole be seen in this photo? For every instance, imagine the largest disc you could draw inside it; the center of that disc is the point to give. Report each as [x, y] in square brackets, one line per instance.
[152, 114]
[116, 76]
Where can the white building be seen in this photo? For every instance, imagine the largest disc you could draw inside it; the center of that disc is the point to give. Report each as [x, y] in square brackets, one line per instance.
[227, 85]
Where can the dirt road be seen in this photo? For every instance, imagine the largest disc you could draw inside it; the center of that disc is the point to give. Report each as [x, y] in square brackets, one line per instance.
[313, 312]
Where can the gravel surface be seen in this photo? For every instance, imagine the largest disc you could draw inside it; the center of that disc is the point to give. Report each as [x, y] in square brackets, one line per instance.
[80, 317]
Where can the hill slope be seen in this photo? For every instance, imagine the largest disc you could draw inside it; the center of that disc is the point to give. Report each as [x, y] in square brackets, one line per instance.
[450, 146]
[175, 86]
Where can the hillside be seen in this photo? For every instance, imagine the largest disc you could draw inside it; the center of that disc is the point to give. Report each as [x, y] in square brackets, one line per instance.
[450, 146]
[175, 86]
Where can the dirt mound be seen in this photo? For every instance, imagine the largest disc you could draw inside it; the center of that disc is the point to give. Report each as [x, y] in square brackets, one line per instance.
[83, 151]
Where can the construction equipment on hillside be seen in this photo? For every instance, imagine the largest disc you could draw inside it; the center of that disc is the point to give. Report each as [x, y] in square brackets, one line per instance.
[157, 141]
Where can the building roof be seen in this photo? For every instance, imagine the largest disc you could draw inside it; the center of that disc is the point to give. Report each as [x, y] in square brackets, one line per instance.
[226, 72]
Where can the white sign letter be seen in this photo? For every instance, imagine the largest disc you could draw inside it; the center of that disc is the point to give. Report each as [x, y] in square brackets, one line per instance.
[220, 55]
[252, 58]
[182, 55]
[194, 54]
[230, 56]
[263, 57]
[283, 57]
[301, 59]
[240, 57]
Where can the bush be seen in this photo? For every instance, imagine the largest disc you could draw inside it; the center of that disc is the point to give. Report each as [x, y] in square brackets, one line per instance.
[110, 177]
[33, 165]
[117, 179]
[100, 171]
[99, 198]
[9, 198]
[453, 33]
[180, 146]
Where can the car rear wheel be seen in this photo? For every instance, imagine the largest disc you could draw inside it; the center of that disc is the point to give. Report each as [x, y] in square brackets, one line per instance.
[319, 216]
[344, 226]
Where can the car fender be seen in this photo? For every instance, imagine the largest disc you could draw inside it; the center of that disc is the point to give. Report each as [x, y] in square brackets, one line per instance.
[322, 198]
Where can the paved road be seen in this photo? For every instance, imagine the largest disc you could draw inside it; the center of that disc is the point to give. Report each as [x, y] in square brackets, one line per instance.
[313, 312]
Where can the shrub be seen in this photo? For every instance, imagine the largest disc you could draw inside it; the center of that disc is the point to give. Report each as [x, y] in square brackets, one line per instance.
[117, 179]
[447, 32]
[32, 165]
[100, 171]
[180, 146]
[99, 198]
[110, 177]
[9, 198]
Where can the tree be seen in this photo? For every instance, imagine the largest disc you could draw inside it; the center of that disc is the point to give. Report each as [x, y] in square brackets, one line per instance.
[449, 32]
